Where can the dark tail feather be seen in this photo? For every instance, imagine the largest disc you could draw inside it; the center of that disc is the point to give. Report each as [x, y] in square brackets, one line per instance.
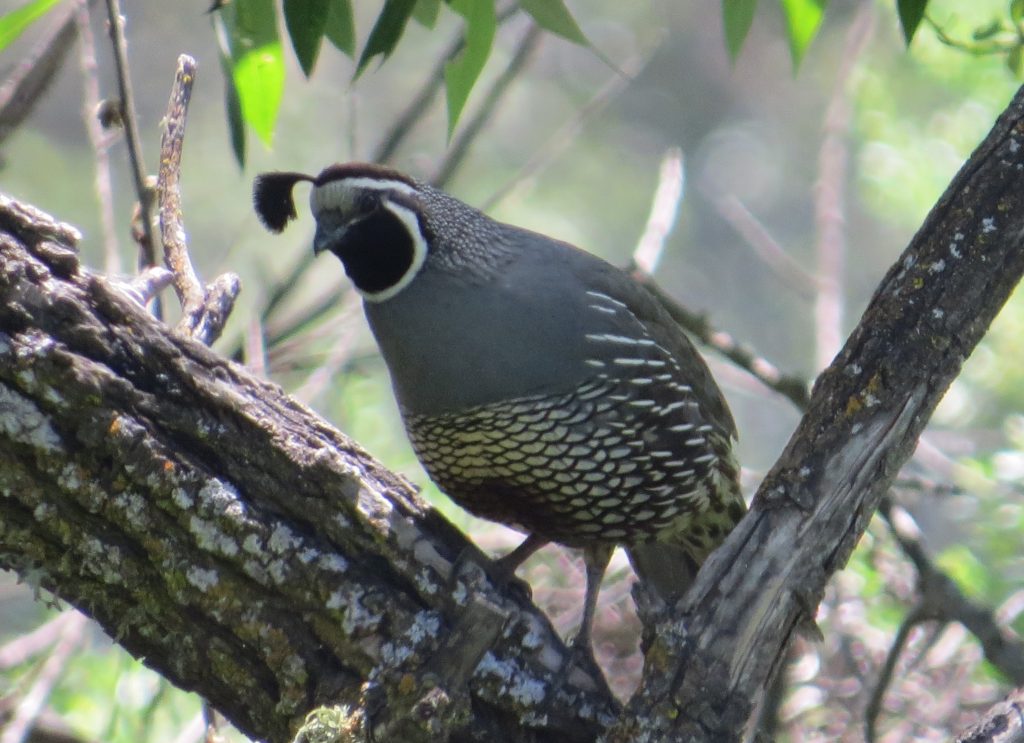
[665, 570]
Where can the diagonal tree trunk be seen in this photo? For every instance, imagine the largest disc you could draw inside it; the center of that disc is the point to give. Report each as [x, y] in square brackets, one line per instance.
[252, 553]
[719, 652]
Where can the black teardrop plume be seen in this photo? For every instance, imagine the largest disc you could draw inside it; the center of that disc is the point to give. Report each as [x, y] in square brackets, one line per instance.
[272, 198]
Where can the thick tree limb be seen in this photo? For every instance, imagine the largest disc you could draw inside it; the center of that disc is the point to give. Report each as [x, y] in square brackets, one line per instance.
[240, 545]
[718, 653]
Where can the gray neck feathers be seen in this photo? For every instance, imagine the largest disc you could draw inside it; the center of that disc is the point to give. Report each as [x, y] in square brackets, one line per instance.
[464, 241]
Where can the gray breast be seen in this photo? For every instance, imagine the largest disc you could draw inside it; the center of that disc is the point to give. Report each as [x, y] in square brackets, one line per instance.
[454, 341]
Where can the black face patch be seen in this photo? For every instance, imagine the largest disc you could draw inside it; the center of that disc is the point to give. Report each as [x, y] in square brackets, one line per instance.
[376, 251]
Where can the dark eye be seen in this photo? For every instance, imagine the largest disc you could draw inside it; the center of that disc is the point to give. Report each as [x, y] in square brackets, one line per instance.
[368, 202]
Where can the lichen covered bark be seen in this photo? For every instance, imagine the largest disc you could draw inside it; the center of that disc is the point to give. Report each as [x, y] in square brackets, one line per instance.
[235, 541]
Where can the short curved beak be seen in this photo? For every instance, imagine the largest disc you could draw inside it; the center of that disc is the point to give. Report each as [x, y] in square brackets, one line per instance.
[327, 235]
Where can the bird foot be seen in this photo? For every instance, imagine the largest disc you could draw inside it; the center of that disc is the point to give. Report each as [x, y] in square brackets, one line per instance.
[501, 572]
[581, 669]
[581, 654]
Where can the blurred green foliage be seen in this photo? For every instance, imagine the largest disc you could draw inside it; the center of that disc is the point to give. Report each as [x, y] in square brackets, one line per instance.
[751, 130]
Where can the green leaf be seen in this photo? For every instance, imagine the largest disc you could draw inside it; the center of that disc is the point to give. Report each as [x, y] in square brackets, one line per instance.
[340, 28]
[236, 125]
[737, 15]
[1015, 61]
[984, 33]
[426, 11]
[386, 32]
[13, 24]
[803, 19]
[553, 16]
[256, 60]
[462, 72]
[911, 12]
[232, 105]
[306, 21]
[1017, 11]
[965, 569]
[259, 77]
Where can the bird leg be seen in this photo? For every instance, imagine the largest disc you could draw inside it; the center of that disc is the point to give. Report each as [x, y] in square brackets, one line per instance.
[505, 567]
[596, 559]
[502, 571]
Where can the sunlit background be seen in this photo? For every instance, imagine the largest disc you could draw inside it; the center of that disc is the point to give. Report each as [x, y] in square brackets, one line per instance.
[842, 157]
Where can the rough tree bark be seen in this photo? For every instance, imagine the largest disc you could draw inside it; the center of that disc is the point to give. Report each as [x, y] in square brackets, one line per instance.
[716, 656]
[239, 544]
[250, 552]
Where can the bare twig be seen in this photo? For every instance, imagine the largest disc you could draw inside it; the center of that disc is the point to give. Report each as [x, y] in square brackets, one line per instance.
[218, 301]
[148, 283]
[28, 709]
[917, 615]
[172, 230]
[203, 311]
[148, 249]
[566, 135]
[664, 209]
[760, 240]
[341, 351]
[20, 649]
[406, 121]
[460, 147]
[31, 77]
[829, 202]
[944, 599]
[253, 347]
[98, 137]
[792, 387]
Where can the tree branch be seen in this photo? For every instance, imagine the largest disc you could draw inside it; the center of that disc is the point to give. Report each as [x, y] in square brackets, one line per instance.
[115, 21]
[31, 77]
[1004, 723]
[240, 545]
[716, 655]
[254, 554]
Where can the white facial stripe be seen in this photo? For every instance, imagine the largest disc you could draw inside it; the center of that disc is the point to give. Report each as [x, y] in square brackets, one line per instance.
[338, 194]
[419, 253]
[380, 184]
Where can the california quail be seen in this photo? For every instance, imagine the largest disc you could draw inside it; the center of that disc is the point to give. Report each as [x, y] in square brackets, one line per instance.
[539, 385]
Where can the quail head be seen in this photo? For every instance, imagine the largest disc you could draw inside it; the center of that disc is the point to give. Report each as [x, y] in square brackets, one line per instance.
[540, 386]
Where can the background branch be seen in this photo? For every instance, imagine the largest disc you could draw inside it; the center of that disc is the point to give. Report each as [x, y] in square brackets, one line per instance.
[472, 128]
[115, 26]
[31, 77]
[99, 137]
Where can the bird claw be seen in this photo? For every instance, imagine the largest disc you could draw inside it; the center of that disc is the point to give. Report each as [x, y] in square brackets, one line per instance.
[581, 669]
[581, 654]
[500, 572]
